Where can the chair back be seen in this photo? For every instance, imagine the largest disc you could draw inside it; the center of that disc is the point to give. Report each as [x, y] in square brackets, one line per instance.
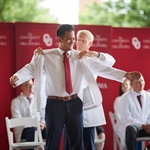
[114, 118]
[22, 122]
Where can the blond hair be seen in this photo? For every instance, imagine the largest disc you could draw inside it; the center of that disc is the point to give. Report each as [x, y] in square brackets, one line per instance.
[87, 33]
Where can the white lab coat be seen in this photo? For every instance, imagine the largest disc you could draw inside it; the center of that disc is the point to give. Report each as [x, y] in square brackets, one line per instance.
[20, 107]
[94, 116]
[131, 112]
[117, 109]
[98, 69]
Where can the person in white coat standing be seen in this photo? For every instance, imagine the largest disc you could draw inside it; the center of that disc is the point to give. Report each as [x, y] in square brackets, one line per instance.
[91, 117]
[135, 113]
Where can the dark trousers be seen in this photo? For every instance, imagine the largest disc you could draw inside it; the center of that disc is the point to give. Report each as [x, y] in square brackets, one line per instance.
[131, 134]
[58, 113]
[88, 138]
[66, 144]
[28, 134]
[44, 133]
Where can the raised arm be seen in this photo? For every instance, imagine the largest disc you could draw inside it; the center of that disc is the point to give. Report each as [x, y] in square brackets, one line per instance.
[25, 73]
[104, 58]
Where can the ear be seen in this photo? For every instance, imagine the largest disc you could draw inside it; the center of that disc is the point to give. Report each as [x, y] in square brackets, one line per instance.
[90, 44]
[59, 39]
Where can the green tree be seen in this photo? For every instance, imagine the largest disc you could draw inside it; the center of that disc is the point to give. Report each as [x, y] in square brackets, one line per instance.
[118, 13]
[25, 10]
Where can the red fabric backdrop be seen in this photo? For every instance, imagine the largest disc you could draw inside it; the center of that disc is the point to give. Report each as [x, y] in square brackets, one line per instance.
[129, 46]
[7, 67]
[131, 49]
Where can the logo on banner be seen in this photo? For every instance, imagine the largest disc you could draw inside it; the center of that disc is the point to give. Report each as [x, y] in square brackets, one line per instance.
[136, 43]
[47, 39]
[29, 40]
[100, 41]
[146, 43]
[3, 40]
[121, 43]
[102, 85]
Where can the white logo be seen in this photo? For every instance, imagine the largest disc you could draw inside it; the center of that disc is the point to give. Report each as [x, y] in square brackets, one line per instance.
[29, 40]
[136, 43]
[99, 41]
[102, 85]
[47, 39]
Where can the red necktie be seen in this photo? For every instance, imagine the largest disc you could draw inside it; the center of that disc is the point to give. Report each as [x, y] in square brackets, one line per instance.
[67, 73]
[139, 99]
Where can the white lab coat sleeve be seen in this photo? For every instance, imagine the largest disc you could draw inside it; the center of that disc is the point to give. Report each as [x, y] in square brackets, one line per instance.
[102, 69]
[15, 111]
[35, 70]
[27, 72]
[107, 59]
[117, 105]
[39, 83]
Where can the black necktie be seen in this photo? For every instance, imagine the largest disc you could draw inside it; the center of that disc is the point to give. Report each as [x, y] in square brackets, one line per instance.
[139, 99]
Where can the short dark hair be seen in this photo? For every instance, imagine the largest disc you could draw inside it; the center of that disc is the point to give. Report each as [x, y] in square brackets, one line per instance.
[63, 28]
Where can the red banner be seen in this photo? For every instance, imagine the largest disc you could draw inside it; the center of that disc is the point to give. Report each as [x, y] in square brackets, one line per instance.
[29, 36]
[131, 48]
[7, 67]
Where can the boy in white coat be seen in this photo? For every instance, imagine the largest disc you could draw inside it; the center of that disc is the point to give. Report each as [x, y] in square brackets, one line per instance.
[24, 105]
[135, 117]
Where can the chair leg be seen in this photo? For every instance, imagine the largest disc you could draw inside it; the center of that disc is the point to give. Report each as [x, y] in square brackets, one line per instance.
[143, 144]
[40, 148]
[115, 143]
